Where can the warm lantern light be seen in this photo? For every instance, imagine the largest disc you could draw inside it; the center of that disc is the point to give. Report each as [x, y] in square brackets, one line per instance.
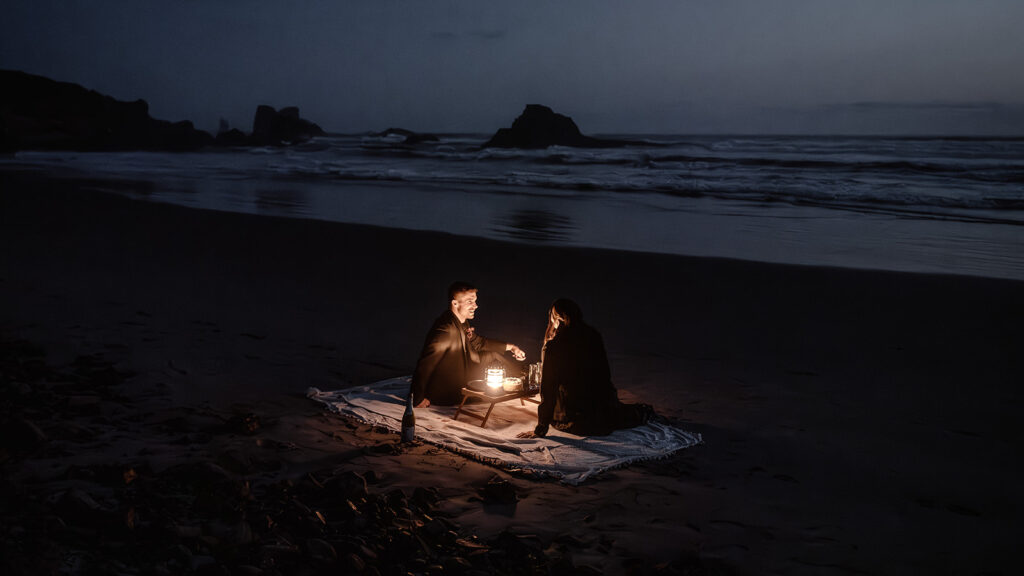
[495, 378]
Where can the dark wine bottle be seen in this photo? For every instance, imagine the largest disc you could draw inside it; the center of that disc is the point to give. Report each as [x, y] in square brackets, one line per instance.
[408, 421]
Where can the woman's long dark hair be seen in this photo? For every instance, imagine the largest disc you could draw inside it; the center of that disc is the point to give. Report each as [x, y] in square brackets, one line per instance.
[568, 314]
[568, 311]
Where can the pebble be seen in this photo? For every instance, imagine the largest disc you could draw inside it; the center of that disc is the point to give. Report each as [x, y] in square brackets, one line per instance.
[367, 553]
[247, 424]
[240, 534]
[435, 529]
[499, 491]
[279, 549]
[321, 550]
[457, 565]
[396, 499]
[354, 563]
[21, 436]
[198, 562]
[187, 532]
[350, 484]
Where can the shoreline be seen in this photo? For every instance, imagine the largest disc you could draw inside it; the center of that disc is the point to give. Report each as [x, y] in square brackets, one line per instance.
[983, 244]
[853, 420]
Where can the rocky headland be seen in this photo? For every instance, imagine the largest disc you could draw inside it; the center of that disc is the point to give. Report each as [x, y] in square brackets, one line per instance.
[38, 113]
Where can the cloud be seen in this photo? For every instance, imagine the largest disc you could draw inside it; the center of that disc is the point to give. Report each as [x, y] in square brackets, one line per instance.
[925, 106]
[487, 34]
[470, 34]
[922, 117]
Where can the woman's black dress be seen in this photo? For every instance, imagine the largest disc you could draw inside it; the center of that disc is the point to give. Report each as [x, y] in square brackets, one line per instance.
[577, 394]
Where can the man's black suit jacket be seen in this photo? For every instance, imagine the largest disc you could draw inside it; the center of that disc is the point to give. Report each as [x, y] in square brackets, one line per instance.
[451, 350]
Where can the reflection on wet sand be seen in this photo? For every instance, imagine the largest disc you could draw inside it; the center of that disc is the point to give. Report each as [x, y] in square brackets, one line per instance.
[535, 226]
[289, 202]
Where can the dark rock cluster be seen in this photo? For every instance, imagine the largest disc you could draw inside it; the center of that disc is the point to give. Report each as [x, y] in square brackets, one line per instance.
[539, 127]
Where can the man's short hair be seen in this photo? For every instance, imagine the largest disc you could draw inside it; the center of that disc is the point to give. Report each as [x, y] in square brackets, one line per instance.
[459, 287]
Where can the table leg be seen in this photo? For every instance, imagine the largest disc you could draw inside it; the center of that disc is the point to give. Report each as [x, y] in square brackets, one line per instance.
[488, 415]
[459, 409]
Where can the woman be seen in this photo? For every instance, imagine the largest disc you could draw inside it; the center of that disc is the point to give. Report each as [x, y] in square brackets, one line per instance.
[577, 395]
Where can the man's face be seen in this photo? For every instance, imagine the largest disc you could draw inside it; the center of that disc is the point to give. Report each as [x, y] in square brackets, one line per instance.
[464, 305]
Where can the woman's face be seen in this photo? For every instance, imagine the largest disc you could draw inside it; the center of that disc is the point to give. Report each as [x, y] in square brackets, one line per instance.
[553, 318]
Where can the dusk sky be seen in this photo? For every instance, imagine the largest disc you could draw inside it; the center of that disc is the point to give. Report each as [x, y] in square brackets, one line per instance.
[674, 66]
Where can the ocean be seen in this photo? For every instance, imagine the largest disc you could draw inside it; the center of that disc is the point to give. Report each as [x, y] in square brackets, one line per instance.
[934, 205]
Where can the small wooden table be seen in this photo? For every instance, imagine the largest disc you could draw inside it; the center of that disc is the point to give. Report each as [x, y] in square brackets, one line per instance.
[491, 400]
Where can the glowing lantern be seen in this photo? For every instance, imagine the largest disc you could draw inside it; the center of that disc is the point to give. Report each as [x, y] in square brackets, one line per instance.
[495, 379]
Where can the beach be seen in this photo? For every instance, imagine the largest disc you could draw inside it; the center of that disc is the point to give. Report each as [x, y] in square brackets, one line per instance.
[854, 421]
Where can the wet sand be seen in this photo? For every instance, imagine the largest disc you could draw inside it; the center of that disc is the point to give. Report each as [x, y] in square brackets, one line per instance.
[854, 421]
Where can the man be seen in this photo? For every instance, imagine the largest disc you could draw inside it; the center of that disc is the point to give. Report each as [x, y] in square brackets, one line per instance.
[453, 352]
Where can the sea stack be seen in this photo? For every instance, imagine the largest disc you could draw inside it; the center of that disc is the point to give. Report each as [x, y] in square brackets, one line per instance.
[275, 127]
[539, 127]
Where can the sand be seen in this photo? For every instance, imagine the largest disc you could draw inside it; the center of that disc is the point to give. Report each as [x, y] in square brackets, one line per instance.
[854, 421]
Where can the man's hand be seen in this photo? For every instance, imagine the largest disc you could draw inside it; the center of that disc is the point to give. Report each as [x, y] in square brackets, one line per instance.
[517, 353]
[424, 403]
[526, 435]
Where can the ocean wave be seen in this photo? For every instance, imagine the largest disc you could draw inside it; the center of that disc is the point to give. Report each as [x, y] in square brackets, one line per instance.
[912, 175]
[997, 161]
[820, 187]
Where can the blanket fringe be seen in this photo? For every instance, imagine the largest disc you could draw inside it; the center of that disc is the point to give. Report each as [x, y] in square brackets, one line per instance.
[519, 470]
[573, 476]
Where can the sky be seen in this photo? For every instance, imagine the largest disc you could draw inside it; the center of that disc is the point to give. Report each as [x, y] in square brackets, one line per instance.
[674, 67]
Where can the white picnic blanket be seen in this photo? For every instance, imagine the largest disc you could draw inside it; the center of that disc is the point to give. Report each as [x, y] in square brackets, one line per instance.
[570, 458]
